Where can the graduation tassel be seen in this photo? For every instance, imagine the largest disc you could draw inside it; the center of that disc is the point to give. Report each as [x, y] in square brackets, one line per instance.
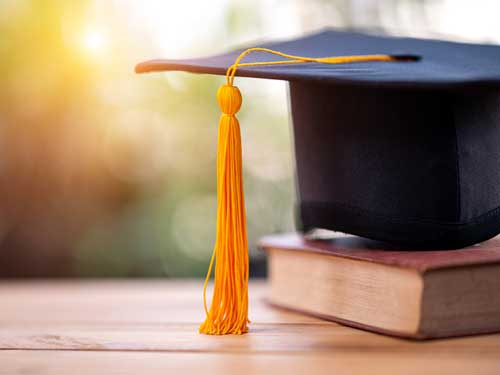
[228, 312]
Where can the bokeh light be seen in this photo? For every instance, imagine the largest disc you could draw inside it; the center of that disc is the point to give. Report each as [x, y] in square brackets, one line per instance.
[94, 41]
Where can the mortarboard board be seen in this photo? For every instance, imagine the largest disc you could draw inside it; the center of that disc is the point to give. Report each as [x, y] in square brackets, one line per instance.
[404, 150]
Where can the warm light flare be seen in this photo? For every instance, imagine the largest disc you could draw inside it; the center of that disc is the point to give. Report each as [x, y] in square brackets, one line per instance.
[94, 41]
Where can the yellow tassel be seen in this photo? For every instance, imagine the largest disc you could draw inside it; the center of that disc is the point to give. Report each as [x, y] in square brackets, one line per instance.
[228, 313]
[229, 309]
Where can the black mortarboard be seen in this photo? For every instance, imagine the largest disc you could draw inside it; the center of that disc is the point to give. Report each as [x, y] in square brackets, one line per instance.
[406, 152]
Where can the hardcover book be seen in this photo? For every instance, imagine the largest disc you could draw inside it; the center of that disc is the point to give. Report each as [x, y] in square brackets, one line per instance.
[378, 287]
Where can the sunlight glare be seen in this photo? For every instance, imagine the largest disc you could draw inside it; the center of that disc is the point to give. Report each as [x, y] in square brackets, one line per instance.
[94, 41]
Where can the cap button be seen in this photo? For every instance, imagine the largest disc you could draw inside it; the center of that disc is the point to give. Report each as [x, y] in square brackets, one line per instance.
[229, 98]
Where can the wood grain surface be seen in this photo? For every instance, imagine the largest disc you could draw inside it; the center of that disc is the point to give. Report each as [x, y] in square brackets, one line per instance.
[126, 327]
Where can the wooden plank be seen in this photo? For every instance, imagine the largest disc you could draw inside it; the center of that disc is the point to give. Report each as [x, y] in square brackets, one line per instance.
[129, 326]
[121, 302]
[164, 316]
[264, 338]
[90, 363]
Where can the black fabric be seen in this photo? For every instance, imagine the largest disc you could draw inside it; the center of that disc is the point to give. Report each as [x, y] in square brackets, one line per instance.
[441, 64]
[404, 152]
[418, 168]
[477, 119]
[407, 234]
[391, 152]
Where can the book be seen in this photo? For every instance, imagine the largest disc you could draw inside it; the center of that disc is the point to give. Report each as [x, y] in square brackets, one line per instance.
[378, 287]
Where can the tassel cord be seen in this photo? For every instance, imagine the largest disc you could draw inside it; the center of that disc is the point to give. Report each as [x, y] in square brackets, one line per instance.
[228, 311]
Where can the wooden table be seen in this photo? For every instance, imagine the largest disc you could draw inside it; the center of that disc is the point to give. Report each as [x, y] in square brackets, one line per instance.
[150, 327]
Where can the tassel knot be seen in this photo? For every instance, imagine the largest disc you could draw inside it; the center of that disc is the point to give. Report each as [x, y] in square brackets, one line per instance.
[229, 98]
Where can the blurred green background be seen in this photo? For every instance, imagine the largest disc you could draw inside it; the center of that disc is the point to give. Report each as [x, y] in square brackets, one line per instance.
[107, 173]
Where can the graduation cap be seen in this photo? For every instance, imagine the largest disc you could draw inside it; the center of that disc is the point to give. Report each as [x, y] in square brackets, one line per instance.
[396, 139]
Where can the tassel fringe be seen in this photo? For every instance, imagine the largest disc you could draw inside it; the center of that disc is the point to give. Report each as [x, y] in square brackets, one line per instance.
[228, 311]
